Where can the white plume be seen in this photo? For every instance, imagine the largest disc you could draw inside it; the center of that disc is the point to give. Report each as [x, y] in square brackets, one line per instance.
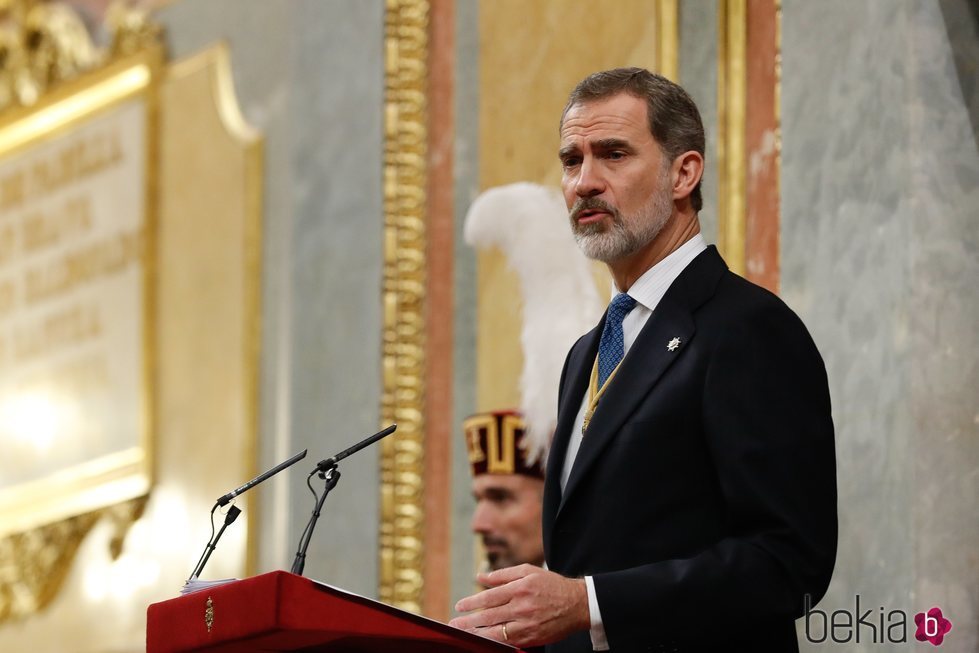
[529, 224]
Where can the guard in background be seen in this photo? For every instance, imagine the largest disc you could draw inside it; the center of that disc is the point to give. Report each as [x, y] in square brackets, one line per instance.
[508, 485]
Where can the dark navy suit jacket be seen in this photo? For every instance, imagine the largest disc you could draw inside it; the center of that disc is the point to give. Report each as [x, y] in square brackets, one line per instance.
[703, 497]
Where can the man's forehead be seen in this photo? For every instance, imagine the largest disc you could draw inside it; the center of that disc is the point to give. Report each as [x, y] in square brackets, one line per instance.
[620, 116]
[511, 482]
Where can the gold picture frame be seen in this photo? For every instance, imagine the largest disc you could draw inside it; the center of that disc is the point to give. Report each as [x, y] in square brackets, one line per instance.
[120, 99]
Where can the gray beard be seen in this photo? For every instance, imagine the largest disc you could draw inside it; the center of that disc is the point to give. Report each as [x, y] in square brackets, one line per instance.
[624, 236]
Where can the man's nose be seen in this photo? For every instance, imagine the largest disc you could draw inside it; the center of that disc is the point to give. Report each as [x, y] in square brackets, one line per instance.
[590, 180]
[482, 521]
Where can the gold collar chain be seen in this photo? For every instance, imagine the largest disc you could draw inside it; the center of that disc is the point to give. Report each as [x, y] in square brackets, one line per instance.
[595, 393]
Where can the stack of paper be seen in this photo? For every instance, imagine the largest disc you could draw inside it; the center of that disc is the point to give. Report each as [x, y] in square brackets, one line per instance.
[196, 585]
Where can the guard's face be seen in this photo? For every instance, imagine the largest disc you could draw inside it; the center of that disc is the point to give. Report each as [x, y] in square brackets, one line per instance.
[508, 518]
[615, 178]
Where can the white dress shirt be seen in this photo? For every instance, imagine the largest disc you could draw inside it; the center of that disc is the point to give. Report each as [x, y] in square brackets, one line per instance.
[648, 290]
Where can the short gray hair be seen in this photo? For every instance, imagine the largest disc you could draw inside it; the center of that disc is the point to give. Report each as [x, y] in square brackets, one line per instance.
[674, 120]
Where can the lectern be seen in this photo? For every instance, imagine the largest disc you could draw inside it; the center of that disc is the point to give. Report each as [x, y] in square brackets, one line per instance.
[279, 611]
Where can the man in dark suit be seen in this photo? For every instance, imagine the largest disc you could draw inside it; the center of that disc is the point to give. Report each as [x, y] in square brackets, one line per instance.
[690, 498]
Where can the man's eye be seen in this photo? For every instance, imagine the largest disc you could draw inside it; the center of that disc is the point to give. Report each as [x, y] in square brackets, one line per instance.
[499, 497]
[571, 162]
[616, 155]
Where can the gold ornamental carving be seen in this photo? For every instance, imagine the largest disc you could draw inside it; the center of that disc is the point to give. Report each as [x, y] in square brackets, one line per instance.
[405, 155]
[43, 44]
[34, 563]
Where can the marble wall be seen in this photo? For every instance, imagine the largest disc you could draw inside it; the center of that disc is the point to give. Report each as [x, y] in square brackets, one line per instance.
[698, 75]
[880, 188]
[466, 155]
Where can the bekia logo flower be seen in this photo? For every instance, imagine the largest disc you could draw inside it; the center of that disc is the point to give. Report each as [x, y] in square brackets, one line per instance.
[932, 626]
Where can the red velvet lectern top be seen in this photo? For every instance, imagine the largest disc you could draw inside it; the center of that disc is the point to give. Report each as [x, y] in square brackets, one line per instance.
[280, 611]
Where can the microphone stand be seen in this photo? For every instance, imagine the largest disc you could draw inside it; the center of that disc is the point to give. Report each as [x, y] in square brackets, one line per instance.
[332, 476]
[234, 511]
[327, 470]
[229, 519]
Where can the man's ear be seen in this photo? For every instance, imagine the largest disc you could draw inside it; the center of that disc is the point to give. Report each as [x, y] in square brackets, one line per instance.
[687, 170]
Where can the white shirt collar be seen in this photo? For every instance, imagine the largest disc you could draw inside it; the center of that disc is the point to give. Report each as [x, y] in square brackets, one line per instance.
[649, 289]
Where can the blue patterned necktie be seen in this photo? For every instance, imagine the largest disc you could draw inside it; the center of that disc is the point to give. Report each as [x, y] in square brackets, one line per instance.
[611, 348]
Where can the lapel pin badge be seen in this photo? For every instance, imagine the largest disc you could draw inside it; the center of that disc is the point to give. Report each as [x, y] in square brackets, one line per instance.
[673, 344]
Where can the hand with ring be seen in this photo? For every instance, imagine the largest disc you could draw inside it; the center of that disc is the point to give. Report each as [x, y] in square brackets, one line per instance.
[548, 606]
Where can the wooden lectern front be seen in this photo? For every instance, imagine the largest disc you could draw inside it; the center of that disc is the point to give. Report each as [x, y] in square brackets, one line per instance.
[280, 611]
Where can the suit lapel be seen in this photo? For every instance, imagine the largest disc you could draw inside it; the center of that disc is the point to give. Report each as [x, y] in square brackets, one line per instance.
[648, 360]
[631, 383]
[580, 362]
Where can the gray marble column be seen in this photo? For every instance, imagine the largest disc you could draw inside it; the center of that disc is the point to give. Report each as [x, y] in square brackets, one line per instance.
[464, 353]
[698, 75]
[880, 189]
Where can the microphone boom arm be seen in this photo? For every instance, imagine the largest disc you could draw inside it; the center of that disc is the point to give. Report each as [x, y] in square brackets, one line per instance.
[327, 470]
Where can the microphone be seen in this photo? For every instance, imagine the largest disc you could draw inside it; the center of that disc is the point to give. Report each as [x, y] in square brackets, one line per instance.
[327, 470]
[327, 463]
[234, 511]
[223, 501]
[229, 519]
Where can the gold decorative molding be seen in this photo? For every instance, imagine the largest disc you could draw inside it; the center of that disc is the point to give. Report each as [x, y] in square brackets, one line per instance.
[668, 38]
[122, 516]
[43, 44]
[130, 29]
[731, 113]
[33, 564]
[401, 581]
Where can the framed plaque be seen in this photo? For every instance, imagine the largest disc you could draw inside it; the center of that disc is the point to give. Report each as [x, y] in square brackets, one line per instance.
[77, 211]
